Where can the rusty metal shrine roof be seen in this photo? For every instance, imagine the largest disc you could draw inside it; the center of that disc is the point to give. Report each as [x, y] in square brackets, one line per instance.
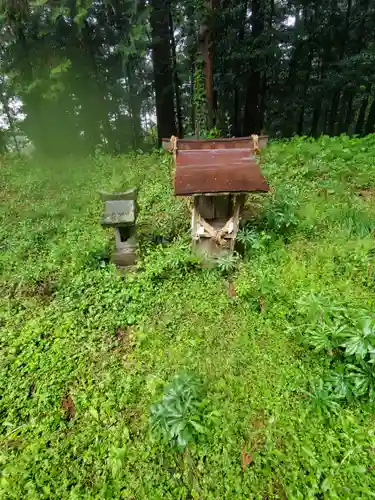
[217, 165]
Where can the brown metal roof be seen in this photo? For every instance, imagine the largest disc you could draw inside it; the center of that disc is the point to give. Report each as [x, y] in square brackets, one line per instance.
[217, 171]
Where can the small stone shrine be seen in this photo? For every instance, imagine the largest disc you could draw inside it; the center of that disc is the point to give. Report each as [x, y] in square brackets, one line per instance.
[120, 213]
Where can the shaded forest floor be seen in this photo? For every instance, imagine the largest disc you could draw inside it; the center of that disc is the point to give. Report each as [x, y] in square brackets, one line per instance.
[84, 353]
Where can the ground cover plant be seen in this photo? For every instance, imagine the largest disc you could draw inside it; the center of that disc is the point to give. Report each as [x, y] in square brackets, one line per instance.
[254, 379]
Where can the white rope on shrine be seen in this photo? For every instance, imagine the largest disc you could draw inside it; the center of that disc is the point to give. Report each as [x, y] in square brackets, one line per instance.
[174, 147]
[218, 235]
[255, 139]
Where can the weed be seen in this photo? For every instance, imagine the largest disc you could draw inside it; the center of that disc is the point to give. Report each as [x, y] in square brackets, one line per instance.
[253, 240]
[322, 400]
[179, 417]
[227, 264]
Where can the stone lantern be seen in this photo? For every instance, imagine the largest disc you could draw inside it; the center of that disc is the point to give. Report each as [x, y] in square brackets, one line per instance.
[120, 213]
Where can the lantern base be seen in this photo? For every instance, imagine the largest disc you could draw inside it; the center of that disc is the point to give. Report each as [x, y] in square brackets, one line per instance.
[124, 257]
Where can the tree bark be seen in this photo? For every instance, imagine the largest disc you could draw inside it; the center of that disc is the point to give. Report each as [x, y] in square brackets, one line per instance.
[101, 115]
[343, 37]
[349, 115]
[252, 117]
[301, 97]
[236, 111]
[134, 106]
[296, 60]
[163, 74]
[370, 124]
[359, 127]
[346, 111]
[192, 96]
[207, 49]
[176, 79]
[333, 114]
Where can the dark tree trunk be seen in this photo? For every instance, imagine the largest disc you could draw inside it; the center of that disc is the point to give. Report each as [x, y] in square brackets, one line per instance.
[101, 114]
[176, 79]
[315, 119]
[363, 11]
[302, 97]
[135, 107]
[266, 71]
[359, 127]
[252, 118]
[192, 53]
[342, 111]
[317, 103]
[325, 118]
[213, 4]
[301, 119]
[235, 131]
[3, 145]
[333, 114]
[252, 109]
[342, 39]
[192, 94]
[207, 49]
[370, 124]
[326, 42]
[349, 115]
[236, 113]
[288, 126]
[318, 94]
[346, 108]
[163, 74]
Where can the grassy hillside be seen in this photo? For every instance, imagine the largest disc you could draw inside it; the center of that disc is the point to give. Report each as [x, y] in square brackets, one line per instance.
[280, 344]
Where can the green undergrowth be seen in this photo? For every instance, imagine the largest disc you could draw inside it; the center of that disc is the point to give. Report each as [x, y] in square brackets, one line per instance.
[249, 380]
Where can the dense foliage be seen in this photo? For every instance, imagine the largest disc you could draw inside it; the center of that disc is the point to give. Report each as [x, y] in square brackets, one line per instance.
[252, 380]
[87, 74]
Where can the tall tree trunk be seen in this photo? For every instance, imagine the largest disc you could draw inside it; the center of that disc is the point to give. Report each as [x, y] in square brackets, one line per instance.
[295, 59]
[315, 118]
[333, 114]
[134, 105]
[176, 79]
[341, 42]
[363, 11]
[101, 114]
[163, 74]
[267, 64]
[325, 118]
[346, 107]
[324, 63]
[192, 96]
[317, 102]
[359, 127]
[349, 115]
[302, 97]
[235, 130]
[326, 42]
[207, 49]
[192, 55]
[370, 124]
[252, 118]
[236, 111]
